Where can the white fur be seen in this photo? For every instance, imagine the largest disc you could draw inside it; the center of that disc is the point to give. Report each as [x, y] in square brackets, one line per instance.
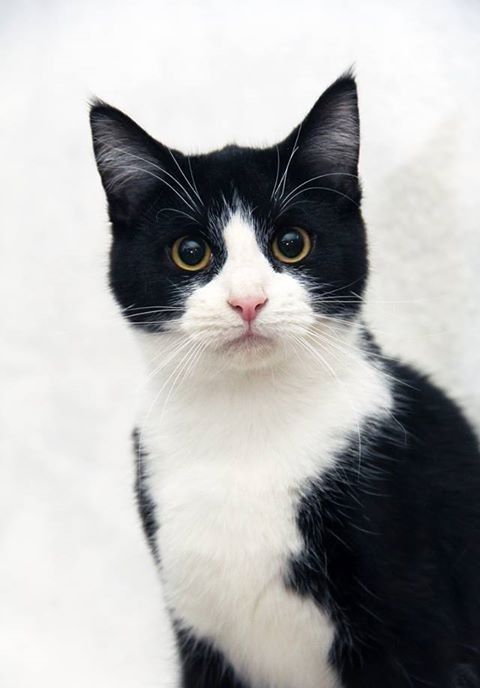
[231, 453]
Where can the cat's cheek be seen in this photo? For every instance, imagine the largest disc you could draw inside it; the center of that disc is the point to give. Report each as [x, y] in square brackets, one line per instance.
[208, 315]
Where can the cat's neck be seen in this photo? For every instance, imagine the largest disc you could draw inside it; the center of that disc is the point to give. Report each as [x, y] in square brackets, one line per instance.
[335, 376]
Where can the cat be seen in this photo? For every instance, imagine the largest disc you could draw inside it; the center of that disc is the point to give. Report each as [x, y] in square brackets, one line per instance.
[312, 505]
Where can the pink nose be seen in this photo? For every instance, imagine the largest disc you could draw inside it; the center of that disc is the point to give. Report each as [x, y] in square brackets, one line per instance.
[248, 306]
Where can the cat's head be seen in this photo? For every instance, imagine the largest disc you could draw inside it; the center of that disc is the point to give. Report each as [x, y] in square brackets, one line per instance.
[243, 257]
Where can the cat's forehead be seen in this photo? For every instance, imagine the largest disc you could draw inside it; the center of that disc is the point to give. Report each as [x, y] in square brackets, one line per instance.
[237, 190]
[233, 173]
[238, 233]
[240, 237]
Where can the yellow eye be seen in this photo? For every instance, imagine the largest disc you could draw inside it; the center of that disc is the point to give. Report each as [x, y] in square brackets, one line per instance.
[190, 253]
[291, 245]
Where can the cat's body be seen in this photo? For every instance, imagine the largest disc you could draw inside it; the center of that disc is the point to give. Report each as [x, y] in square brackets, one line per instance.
[259, 552]
[313, 507]
[228, 502]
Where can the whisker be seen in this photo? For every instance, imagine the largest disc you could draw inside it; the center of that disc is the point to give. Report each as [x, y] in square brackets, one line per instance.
[284, 207]
[193, 178]
[276, 174]
[189, 346]
[151, 309]
[191, 204]
[195, 191]
[180, 212]
[325, 363]
[186, 362]
[165, 362]
[320, 176]
[346, 286]
[283, 178]
[155, 176]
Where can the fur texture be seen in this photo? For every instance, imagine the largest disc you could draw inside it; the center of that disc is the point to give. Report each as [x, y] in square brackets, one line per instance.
[313, 506]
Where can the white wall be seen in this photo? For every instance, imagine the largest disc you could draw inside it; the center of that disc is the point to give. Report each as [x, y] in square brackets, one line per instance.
[79, 598]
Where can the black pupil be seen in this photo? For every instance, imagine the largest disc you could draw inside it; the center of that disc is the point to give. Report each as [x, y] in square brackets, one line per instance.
[291, 243]
[192, 251]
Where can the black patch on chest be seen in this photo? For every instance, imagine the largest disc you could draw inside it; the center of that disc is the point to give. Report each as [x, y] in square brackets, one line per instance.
[145, 502]
[203, 666]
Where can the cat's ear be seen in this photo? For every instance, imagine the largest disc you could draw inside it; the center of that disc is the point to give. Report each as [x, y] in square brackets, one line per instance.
[329, 136]
[130, 162]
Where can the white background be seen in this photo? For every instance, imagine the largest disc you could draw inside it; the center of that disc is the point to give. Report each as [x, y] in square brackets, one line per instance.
[79, 601]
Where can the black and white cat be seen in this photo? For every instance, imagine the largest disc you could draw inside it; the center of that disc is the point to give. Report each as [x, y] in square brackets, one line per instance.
[313, 507]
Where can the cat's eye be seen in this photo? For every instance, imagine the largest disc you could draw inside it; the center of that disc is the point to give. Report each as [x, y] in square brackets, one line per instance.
[291, 245]
[191, 253]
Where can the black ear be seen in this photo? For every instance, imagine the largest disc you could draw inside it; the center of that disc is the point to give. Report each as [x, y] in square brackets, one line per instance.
[329, 136]
[130, 162]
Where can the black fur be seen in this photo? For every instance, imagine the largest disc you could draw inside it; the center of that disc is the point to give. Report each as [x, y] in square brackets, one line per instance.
[145, 503]
[202, 665]
[392, 534]
[392, 546]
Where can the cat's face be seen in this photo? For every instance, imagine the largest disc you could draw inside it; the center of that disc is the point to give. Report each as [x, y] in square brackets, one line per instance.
[242, 257]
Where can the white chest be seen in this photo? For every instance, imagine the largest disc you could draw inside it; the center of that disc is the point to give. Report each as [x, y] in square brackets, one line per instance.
[227, 481]
[225, 541]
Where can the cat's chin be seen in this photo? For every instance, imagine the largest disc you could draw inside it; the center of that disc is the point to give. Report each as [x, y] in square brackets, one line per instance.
[250, 351]
[249, 342]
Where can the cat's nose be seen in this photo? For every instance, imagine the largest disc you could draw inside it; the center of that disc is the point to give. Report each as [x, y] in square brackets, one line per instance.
[248, 307]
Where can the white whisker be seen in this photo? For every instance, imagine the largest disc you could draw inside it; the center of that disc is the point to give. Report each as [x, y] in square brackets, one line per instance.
[119, 178]
[194, 189]
[284, 207]
[320, 176]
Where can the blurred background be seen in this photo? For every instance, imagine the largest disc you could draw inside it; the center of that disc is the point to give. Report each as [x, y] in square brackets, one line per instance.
[80, 602]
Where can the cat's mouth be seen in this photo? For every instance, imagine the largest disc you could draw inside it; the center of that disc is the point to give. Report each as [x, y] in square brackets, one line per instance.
[249, 340]
[250, 350]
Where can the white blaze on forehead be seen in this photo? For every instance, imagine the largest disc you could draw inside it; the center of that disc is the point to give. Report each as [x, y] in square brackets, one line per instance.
[246, 268]
[240, 239]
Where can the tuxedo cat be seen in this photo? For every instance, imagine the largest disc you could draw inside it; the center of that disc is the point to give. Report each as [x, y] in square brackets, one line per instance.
[313, 506]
